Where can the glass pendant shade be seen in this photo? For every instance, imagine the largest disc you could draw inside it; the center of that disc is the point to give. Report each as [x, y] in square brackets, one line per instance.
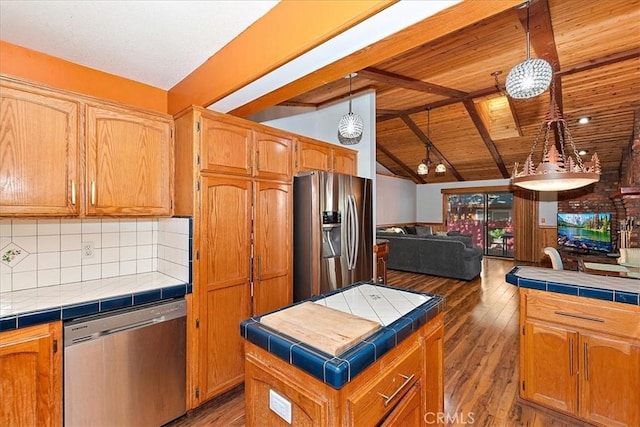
[423, 168]
[441, 168]
[350, 125]
[529, 78]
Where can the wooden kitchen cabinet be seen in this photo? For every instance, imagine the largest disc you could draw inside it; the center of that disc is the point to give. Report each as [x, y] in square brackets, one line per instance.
[550, 366]
[40, 146]
[233, 148]
[610, 380]
[223, 288]
[408, 411]
[234, 177]
[121, 164]
[317, 155]
[31, 376]
[272, 282]
[129, 162]
[398, 389]
[581, 356]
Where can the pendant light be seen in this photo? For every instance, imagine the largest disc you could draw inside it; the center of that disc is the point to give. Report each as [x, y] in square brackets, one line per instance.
[423, 167]
[557, 171]
[531, 77]
[350, 126]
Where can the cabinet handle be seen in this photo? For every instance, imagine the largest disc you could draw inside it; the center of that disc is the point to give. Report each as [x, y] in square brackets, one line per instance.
[579, 316]
[73, 192]
[93, 193]
[586, 362]
[387, 399]
[571, 356]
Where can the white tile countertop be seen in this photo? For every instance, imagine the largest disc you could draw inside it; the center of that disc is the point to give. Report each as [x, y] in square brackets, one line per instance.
[382, 305]
[88, 297]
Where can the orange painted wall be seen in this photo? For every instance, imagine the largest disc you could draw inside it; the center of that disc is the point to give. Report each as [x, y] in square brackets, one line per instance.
[30, 65]
[290, 29]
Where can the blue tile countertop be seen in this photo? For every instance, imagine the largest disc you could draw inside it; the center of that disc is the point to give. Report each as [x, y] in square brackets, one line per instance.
[29, 307]
[400, 311]
[616, 289]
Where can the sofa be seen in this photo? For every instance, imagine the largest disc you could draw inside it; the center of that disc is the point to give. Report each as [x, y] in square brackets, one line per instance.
[435, 254]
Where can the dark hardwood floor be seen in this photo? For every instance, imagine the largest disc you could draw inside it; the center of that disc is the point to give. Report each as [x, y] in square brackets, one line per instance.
[481, 356]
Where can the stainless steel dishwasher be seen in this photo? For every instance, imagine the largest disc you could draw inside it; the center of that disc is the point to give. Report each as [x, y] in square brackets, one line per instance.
[127, 368]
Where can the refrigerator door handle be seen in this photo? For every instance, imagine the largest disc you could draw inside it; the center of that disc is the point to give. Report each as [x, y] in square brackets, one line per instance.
[356, 232]
[348, 232]
[352, 232]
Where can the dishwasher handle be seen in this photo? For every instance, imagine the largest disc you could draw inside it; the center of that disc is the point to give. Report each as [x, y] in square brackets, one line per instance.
[112, 323]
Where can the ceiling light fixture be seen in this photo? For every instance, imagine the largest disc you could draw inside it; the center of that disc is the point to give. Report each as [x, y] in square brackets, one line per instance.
[350, 126]
[584, 120]
[423, 167]
[531, 77]
[557, 171]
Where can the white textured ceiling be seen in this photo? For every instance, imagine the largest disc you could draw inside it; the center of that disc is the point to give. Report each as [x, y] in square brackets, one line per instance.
[154, 42]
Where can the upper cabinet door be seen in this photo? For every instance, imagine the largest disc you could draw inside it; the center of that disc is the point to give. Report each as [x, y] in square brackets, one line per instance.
[226, 148]
[129, 163]
[39, 153]
[273, 156]
[313, 156]
[345, 161]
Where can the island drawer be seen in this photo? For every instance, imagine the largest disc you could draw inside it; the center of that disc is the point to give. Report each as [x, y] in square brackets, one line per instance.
[376, 398]
[585, 313]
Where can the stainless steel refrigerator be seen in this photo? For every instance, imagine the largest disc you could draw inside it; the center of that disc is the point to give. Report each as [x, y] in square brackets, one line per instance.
[332, 237]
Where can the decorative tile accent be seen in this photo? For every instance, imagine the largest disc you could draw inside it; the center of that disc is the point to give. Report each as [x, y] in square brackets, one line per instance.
[12, 254]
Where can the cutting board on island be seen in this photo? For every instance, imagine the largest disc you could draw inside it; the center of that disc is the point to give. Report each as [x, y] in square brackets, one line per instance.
[324, 328]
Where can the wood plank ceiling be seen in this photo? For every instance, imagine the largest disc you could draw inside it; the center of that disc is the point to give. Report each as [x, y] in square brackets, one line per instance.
[593, 46]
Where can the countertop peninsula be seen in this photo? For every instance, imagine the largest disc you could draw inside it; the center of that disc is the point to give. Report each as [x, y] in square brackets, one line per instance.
[607, 288]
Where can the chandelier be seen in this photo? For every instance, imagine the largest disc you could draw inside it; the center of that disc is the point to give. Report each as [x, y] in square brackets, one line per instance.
[350, 126]
[557, 171]
[531, 77]
[423, 167]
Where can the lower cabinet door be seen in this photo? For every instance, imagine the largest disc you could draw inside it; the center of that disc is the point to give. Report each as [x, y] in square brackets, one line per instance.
[609, 381]
[550, 367]
[31, 376]
[408, 410]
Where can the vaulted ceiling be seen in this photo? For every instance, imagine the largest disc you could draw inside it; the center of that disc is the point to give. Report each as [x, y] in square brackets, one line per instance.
[593, 46]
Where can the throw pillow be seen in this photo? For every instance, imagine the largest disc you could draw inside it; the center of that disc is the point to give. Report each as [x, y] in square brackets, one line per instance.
[410, 230]
[423, 230]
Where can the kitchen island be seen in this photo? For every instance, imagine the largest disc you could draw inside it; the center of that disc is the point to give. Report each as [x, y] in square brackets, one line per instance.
[394, 375]
[580, 344]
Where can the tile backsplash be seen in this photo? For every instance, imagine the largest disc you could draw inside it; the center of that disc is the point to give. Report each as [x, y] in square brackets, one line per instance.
[45, 252]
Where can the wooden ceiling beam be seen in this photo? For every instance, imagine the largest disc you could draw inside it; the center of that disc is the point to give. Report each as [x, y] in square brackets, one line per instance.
[426, 141]
[409, 83]
[484, 133]
[414, 176]
[602, 61]
[442, 103]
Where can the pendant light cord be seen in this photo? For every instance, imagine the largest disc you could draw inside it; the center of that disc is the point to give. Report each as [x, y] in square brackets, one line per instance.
[528, 35]
[350, 77]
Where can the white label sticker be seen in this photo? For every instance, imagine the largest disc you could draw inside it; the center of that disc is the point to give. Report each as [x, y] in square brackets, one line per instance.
[280, 406]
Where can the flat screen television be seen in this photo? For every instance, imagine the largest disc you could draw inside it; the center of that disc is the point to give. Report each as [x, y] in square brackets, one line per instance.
[587, 231]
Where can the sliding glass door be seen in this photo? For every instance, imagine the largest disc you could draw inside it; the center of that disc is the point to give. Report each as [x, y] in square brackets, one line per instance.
[486, 217]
